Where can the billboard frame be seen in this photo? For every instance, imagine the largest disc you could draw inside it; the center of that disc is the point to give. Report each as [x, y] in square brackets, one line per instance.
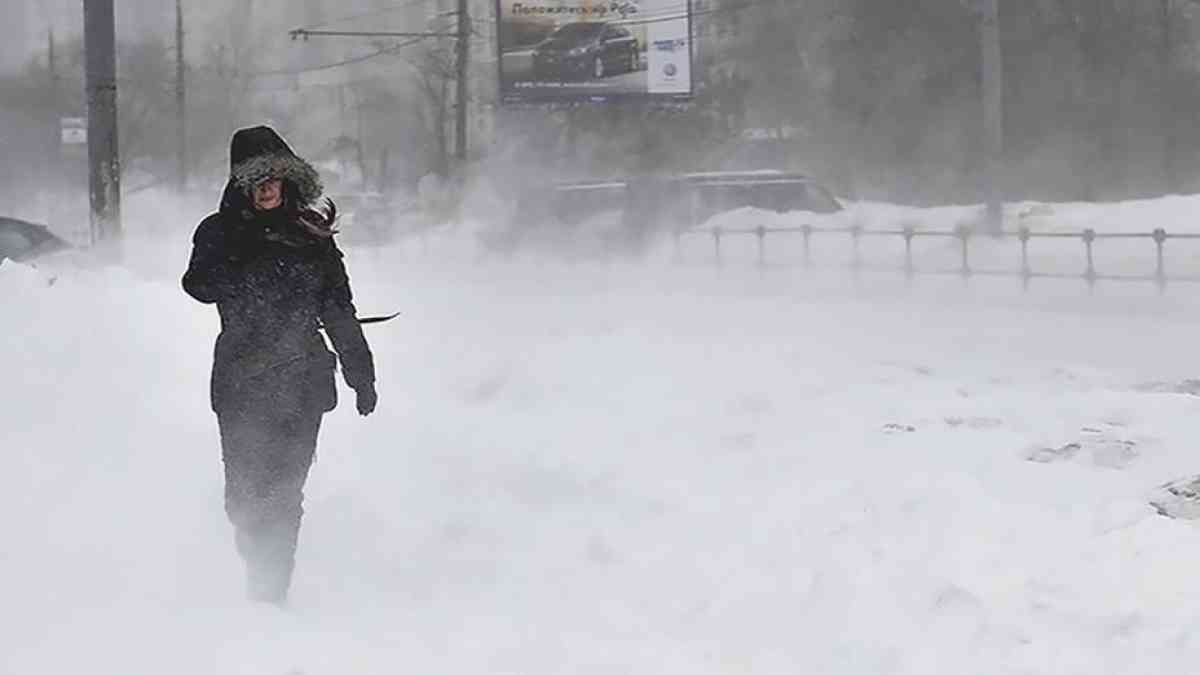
[508, 99]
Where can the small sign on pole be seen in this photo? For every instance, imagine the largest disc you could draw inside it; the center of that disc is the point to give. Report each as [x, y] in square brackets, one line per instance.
[74, 130]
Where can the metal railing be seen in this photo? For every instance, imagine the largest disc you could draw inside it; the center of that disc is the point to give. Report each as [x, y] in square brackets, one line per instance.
[965, 236]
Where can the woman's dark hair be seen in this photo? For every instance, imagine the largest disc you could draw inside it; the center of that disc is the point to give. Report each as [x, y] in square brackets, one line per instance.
[317, 220]
[313, 219]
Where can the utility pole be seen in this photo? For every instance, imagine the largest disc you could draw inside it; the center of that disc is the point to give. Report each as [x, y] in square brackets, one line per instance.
[53, 164]
[462, 72]
[52, 64]
[55, 113]
[180, 98]
[993, 112]
[99, 36]
[362, 153]
[1166, 65]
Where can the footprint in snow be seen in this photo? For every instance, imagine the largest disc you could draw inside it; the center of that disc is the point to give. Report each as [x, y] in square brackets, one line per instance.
[1178, 499]
[1103, 447]
[1050, 455]
[977, 423]
[1185, 387]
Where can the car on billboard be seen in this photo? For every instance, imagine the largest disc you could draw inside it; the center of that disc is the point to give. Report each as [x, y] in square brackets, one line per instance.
[586, 50]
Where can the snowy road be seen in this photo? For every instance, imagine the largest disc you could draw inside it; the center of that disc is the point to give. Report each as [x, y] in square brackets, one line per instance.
[609, 470]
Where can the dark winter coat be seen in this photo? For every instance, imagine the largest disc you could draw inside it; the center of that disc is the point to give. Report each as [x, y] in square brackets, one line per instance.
[275, 284]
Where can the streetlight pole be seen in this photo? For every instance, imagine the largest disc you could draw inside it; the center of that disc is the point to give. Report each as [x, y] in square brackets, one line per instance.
[1166, 65]
[993, 112]
[180, 98]
[462, 71]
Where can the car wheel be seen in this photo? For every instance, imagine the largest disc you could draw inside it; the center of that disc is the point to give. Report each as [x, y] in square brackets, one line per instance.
[598, 68]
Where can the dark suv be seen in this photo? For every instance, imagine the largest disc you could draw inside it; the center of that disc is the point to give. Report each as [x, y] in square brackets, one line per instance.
[586, 50]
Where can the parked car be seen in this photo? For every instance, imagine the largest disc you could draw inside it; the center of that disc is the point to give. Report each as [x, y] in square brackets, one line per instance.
[720, 192]
[21, 240]
[626, 213]
[586, 50]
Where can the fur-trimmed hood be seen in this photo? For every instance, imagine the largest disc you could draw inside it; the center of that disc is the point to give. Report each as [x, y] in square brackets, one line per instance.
[259, 153]
[288, 168]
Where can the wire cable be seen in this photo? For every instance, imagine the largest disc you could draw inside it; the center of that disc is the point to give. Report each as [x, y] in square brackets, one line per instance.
[338, 64]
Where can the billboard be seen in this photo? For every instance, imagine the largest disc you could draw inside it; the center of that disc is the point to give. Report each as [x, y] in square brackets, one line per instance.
[594, 50]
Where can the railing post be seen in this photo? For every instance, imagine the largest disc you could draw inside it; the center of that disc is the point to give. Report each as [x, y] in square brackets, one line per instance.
[1026, 270]
[856, 263]
[1089, 240]
[761, 233]
[717, 244]
[909, 270]
[1160, 275]
[964, 235]
[807, 230]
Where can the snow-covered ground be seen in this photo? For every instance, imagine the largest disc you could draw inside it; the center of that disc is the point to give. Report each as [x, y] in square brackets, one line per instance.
[609, 468]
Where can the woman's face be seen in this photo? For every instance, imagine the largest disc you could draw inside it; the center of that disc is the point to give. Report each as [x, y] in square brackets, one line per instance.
[268, 195]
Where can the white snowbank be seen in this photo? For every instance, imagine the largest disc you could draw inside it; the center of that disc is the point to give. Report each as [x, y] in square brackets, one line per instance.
[1176, 214]
[1136, 257]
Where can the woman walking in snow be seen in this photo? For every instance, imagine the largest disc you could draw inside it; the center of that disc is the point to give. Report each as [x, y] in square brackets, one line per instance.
[268, 261]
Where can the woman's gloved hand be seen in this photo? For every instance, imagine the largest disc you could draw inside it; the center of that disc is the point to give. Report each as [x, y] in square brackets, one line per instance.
[367, 399]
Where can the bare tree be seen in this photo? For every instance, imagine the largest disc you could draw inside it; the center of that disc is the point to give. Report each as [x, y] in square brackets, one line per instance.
[434, 77]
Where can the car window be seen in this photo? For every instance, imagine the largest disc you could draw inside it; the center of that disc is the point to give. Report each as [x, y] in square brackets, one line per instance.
[820, 200]
[573, 205]
[726, 197]
[783, 197]
[13, 244]
[780, 196]
[573, 31]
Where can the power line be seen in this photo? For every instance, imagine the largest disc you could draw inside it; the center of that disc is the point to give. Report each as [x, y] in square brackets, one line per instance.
[748, 4]
[327, 85]
[682, 13]
[306, 33]
[358, 59]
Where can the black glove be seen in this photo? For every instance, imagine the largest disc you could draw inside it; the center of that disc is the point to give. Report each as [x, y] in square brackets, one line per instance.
[367, 399]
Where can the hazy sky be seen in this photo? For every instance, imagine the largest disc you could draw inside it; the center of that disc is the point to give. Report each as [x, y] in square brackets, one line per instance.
[26, 24]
